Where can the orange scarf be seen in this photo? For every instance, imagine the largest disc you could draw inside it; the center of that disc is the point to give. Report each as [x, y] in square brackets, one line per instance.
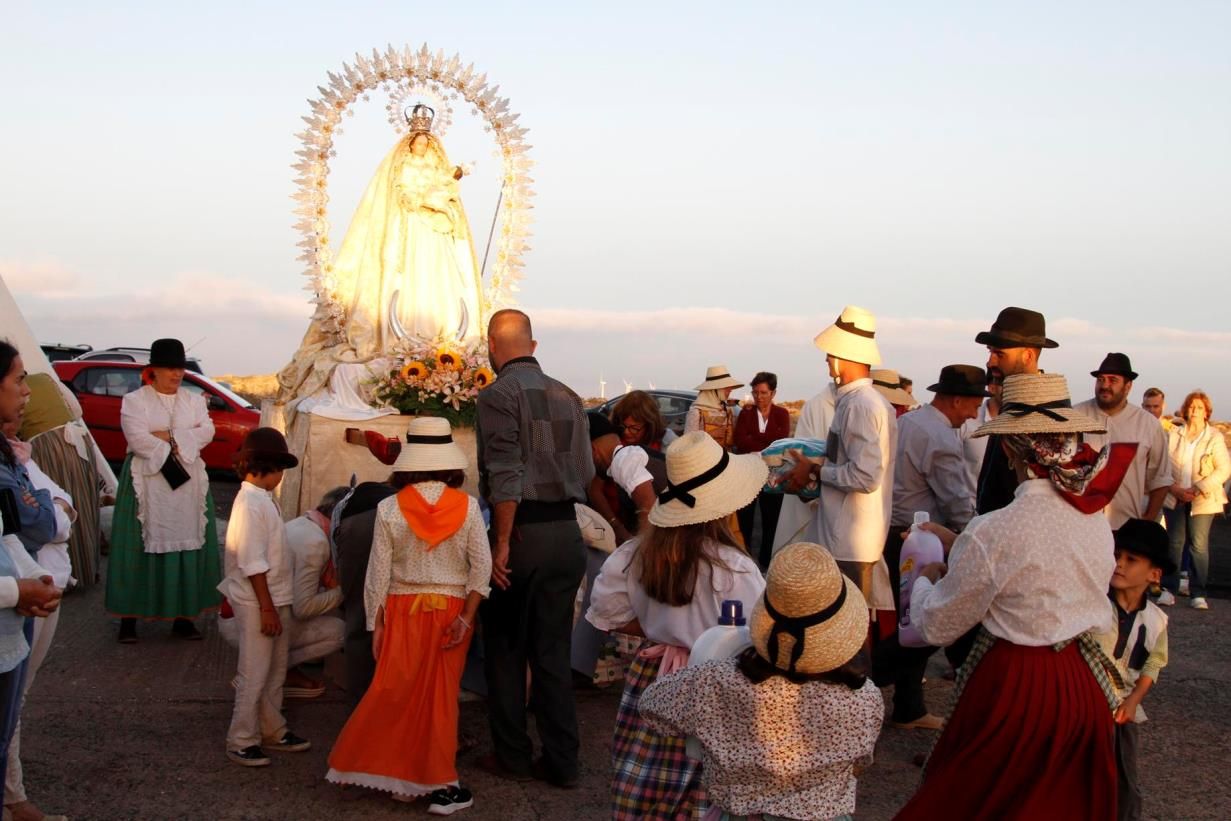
[433, 523]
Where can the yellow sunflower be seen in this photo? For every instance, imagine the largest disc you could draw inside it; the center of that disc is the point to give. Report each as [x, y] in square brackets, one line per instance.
[413, 371]
[448, 359]
[483, 377]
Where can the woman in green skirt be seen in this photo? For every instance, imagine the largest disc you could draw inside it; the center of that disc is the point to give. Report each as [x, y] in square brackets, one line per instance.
[164, 545]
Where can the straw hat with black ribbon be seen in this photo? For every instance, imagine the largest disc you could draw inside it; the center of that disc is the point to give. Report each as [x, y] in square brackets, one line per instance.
[1038, 403]
[889, 385]
[705, 482]
[718, 377]
[811, 619]
[429, 447]
[852, 337]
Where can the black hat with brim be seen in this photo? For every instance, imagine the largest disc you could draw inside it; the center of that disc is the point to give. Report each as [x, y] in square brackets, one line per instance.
[1017, 328]
[1116, 364]
[267, 445]
[1146, 539]
[961, 380]
[168, 353]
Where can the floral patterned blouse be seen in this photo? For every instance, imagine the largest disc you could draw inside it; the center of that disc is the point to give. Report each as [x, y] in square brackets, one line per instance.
[401, 564]
[775, 747]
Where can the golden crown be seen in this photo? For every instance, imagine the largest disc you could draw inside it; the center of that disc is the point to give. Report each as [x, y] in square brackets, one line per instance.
[420, 117]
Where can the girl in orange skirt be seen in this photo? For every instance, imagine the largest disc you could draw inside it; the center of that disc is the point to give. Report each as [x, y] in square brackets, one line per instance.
[429, 569]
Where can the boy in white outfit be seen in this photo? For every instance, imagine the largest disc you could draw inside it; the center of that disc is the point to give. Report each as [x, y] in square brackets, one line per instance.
[258, 584]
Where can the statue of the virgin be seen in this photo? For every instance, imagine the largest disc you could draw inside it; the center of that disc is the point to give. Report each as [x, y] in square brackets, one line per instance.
[406, 266]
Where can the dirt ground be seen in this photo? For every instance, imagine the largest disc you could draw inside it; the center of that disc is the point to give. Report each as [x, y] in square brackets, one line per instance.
[136, 732]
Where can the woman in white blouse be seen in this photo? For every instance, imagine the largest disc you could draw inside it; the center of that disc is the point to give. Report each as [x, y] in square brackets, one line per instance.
[1031, 733]
[164, 561]
[1200, 467]
[430, 568]
[668, 585]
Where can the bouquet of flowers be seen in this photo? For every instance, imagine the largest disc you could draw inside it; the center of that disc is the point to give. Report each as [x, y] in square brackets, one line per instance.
[435, 378]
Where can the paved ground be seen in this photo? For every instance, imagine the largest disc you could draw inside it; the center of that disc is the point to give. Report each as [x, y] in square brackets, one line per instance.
[136, 732]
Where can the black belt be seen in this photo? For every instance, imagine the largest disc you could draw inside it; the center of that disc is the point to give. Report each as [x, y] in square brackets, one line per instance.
[531, 512]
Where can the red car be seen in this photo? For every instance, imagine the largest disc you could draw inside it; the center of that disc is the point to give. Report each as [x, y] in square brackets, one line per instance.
[100, 386]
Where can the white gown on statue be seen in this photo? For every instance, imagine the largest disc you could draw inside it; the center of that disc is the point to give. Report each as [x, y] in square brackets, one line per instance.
[409, 236]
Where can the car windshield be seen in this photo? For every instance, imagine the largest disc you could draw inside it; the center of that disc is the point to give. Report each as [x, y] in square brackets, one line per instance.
[197, 387]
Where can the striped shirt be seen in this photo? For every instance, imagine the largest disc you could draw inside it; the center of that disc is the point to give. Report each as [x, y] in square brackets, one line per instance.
[533, 438]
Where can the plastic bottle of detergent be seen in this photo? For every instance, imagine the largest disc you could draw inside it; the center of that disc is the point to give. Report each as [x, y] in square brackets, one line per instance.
[725, 640]
[918, 551]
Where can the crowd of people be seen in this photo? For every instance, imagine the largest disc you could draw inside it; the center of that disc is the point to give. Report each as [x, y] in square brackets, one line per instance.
[1065, 526]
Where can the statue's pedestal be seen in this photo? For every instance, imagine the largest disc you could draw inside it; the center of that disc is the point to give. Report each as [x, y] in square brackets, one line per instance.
[326, 460]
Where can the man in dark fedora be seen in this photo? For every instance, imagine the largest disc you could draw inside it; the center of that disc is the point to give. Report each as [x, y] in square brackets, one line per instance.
[930, 476]
[1144, 489]
[1014, 343]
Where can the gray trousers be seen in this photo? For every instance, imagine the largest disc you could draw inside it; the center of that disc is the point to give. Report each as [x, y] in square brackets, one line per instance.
[530, 624]
[1129, 799]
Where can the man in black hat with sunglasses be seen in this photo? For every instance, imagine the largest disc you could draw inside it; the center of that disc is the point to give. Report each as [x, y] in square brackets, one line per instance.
[1144, 489]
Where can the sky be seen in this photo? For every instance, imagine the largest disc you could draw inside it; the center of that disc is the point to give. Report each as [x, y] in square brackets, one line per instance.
[714, 181]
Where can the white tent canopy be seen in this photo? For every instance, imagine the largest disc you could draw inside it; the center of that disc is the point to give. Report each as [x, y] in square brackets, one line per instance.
[16, 330]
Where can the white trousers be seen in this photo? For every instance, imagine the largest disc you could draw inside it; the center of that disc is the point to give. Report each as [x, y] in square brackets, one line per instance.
[44, 632]
[310, 639]
[258, 684]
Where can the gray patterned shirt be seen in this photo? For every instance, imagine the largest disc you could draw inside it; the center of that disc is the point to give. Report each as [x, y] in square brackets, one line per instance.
[533, 438]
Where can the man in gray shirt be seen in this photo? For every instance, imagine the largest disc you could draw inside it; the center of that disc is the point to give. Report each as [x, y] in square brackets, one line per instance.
[535, 463]
[930, 475]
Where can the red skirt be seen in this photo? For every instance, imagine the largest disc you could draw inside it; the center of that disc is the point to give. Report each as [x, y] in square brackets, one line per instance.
[1031, 736]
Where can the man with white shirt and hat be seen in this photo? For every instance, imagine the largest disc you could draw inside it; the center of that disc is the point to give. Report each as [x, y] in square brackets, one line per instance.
[1144, 489]
[856, 475]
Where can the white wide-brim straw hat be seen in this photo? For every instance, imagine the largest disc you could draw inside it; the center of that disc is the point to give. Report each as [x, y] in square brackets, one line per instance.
[429, 446]
[811, 598]
[705, 483]
[889, 384]
[1038, 403]
[852, 337]
[718, 377]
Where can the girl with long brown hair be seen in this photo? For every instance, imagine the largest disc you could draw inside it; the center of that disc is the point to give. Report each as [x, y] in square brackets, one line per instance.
[668, 586]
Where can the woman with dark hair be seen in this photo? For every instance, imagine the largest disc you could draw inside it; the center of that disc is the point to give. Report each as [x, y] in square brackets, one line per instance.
[756, 429]
[1200, 468]
[164, 561]
[26, 589]
[787, 725]
[668, 585]
[430, 568]
[640, 422]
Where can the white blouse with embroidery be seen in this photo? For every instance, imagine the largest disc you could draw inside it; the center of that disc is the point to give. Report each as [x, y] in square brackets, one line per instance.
[401, 563]
[1034, 573]
[775, 747]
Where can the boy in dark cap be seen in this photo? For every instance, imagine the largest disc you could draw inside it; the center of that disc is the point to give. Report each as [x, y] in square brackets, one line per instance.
[1139, 645]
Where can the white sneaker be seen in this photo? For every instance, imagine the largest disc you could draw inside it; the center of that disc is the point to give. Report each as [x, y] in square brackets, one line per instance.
[1198, 603]
[1165, 598]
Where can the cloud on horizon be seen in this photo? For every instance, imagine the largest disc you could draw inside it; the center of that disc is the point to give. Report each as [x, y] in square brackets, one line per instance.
[245, 328]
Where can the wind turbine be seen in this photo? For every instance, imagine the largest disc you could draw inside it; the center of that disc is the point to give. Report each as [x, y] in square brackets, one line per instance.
[602, 387]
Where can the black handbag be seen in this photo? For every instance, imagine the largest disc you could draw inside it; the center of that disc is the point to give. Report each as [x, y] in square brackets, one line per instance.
[174, 472]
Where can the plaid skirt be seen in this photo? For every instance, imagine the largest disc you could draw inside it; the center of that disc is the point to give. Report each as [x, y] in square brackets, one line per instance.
[652, 777]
